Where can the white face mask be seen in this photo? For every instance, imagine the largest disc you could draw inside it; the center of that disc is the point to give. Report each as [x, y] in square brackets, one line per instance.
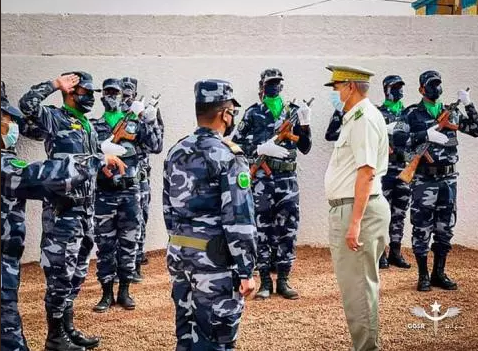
[336, 101]
[10, 139]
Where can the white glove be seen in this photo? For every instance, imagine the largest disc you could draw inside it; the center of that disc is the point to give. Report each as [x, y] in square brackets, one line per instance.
[435, 136]
[269, 148]
[464, 97]
[110, 148]
[304, 114]
[390, 127]
[149, 114]
[137, 107]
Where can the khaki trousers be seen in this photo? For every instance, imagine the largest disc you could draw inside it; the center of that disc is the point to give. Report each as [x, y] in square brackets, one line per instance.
[357, 272]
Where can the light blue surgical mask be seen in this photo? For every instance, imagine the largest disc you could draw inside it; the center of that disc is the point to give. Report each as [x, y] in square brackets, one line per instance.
[336, 101]
[12, 136]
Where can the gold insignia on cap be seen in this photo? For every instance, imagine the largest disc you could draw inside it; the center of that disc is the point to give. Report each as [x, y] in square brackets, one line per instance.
[348, 74]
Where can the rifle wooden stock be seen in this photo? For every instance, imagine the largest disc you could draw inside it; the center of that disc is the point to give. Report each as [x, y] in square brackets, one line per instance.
[283, 133]
[443, 123]
[120, 133]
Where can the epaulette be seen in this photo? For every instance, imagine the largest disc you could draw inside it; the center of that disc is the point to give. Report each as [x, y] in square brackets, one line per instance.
[236, 149]
[409, 109]
[255, 105]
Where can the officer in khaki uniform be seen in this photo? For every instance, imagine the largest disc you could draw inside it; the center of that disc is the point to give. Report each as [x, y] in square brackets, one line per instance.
[359, 216]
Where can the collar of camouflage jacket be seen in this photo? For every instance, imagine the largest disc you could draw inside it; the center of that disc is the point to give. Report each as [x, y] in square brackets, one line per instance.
[80, 117]
[206, 130]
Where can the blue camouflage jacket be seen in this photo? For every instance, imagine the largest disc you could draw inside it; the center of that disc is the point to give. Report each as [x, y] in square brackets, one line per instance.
[149, 139]
[258, 126]
[21, 181]
[207, 193]
[419, 120]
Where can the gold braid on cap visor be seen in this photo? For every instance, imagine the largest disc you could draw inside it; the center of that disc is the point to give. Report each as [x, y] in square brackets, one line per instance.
[346, 76]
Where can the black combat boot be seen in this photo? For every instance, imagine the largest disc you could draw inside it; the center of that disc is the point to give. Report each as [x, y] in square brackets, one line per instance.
[75, 335]
[382, 262]
[123, 299]
[266, 289]
[395, 257]
[439, 278]
[283, 288]
[144, 260]
[423, 277]
[107, 300]
[57, 338]
[137, 277]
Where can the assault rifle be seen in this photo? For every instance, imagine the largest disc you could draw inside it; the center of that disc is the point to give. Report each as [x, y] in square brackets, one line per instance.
[443, 122]
[283, 133]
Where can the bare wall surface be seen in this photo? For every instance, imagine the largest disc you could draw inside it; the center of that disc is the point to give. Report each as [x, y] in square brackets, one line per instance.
[169, 53]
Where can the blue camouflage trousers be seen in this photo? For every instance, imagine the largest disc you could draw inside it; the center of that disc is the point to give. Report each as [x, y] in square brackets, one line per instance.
[398, 195]
[117, 229]
[433, 211]
[67, 241]
[208, 309]
[145, 200]
[276, 203]
[12, 331]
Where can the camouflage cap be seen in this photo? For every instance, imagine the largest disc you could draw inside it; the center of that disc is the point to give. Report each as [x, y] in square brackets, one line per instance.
[214, 90]
[129, 84]
[86, 80]
[428, 76]
[391, 80]
[112, 83]
[271, 74]
[14, 112]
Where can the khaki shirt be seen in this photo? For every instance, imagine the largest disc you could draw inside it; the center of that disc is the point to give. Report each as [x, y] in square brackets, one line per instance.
[363, 141]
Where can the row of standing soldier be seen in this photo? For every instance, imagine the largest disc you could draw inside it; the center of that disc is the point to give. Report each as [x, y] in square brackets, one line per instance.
[432, 194]
[90, 208]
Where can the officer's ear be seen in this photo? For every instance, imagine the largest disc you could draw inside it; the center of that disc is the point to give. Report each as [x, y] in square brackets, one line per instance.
[421, 90]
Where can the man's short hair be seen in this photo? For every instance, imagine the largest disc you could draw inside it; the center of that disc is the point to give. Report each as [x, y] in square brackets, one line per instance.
[207, 108]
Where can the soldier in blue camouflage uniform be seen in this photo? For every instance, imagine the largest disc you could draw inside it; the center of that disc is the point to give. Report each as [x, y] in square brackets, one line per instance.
[396, 191]
[130, 88]
[67, 227]
[209, 216]
[21, 181]
[433, 208]
[276, 197]
[117, 204]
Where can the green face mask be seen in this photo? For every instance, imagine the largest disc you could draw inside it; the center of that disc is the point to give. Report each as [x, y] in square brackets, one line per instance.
[275, 105]
[395, 107]
[113, 117]
[433, 109]
[80, 117]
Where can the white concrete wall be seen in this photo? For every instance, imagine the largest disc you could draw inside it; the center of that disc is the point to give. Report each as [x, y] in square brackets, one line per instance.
[168, 54]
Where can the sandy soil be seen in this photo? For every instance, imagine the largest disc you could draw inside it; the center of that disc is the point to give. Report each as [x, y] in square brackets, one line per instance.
[315, 322]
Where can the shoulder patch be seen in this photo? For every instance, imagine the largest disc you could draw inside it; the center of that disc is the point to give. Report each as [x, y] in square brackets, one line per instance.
[244, 180]
[17, 163]
[236, 149]
[358, 114]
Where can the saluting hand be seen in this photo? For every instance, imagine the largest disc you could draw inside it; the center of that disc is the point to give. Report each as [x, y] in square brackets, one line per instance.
[352, 236]
[247, 286]
[66, 83]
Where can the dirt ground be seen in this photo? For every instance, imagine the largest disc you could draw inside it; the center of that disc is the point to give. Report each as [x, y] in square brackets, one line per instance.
[315, 322]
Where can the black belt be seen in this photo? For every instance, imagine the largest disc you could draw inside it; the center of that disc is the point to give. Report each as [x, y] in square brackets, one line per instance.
[347, 200]
[436, 170]
[115, 185]
[281, 166]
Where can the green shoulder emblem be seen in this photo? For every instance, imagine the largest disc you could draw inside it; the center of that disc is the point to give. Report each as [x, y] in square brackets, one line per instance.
[358, 114]
[18, 163]
[244, 180]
